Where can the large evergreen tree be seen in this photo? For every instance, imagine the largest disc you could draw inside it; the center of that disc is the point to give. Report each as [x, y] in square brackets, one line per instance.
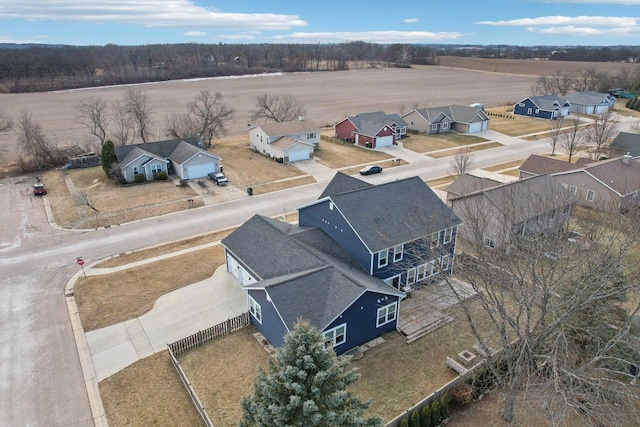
[305, 386]
[108, 156]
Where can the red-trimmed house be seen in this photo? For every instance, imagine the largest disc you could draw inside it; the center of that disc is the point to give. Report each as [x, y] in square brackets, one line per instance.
[372, 130]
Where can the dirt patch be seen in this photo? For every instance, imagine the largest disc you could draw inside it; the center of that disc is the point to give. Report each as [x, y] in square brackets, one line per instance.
[149, 392]
[110, 299]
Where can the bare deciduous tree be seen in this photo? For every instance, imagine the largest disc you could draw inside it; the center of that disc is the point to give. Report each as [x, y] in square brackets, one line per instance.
[571, 140]
[555, 131]
[136, 105]
[277, 108]
[553, 317]
[94, 115]
[6, 122]
[462, 162]
[33, 143]
[206, 116]
[599, 133]
[125, 128]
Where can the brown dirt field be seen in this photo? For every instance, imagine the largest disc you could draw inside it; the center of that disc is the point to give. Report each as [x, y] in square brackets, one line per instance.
[328, 96]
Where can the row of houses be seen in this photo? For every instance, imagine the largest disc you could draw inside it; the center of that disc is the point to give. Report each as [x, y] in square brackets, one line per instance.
[552, 107]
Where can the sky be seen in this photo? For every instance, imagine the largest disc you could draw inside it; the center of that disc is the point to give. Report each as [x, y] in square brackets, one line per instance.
[477, 22]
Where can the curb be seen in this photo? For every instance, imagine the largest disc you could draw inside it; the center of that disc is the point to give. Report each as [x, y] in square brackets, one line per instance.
[86, 362]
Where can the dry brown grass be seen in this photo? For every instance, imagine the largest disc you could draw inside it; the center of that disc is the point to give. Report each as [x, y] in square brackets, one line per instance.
[384, 164]
[148, 393]
[336, 155]
[223, 371]
[421, 143]
[503, 166]
[245, 168]
[62, 205]
[281, 185]
[452, 151]
[442, 181]
[128, 258]
[109, 299]
[516, 126]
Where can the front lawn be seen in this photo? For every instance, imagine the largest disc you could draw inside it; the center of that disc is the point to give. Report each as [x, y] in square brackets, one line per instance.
[336, 155]
[513, 125]
[421, 143]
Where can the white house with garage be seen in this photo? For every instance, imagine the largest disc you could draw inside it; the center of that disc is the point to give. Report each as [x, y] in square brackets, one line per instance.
[285, 142]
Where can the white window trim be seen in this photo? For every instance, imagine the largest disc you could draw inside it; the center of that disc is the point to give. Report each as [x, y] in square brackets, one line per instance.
[422, 272]
[593, 195]
[411, 276]
[255, 309]
[398, 252]
[435, 237]
[448, 235]
[573, 189]
[444, 262]
[431, 268]
[489, 243]
[445, 125]
[386, 258]
[385, 313]
[330, 335]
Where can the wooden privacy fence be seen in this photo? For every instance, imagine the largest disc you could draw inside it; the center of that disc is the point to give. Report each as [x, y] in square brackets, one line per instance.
[195, 340]
[207, 335]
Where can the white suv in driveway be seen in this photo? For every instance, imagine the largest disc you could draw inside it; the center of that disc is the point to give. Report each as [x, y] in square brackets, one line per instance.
[219, 178]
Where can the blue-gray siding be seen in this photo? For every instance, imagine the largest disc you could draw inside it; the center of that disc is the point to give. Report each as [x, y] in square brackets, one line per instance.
[271, 327]
[524, 111]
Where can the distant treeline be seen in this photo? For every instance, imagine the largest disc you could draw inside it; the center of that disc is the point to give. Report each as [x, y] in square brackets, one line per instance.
[44, 68]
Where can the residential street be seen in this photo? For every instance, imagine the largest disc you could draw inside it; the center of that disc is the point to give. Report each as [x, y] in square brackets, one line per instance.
[41, 381]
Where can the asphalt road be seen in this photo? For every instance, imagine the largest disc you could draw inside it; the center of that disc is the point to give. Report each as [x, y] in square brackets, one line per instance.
[41, 381]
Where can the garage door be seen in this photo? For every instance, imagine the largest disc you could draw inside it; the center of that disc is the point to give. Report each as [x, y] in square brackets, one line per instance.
[296, 155]
[475, 127]
[384, 141]
[198, 171]
[232, 266]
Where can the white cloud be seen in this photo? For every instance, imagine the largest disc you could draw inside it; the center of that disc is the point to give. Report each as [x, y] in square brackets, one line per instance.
[411, 20]
[8, 39]
[195, 34]
[368, 36]
[576, 26]
[148, 13]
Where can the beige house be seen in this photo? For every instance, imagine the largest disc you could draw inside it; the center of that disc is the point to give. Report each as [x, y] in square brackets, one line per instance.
[458, 118]
[286, 142]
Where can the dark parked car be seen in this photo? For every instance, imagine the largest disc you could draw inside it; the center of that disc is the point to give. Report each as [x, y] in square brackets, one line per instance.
[371, 169]
[219, 178]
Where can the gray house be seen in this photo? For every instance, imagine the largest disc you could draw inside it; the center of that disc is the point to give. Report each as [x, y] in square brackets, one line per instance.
[286, 142]
[625, 143]
[502, 215]
[590, 102]
[185, 158]
[458, 118]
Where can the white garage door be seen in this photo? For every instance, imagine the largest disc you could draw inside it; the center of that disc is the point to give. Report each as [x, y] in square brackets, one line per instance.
[296, 155]
[232, 266]
[384, 141]
[198, 171]
[475, 127]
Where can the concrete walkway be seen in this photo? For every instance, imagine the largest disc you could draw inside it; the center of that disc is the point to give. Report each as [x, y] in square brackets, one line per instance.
[399, 152]
[175, 315]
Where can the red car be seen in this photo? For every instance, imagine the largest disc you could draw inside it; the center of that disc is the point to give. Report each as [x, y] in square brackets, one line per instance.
[39, 189]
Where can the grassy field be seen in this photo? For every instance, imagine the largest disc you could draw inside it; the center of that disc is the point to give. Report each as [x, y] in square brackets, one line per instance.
[109, 299]
[336, 155]
[421, 143]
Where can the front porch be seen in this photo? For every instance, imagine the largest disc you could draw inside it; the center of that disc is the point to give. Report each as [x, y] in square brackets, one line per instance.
[424, 311]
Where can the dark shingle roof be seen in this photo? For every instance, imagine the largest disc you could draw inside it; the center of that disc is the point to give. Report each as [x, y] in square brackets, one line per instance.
[267, 249]
[456, 113]
[541, 165]
[393, 213]
[366, 122]
[178, 150]
[467, 183]
[588, 97]
[342, 183]
[626, 142]
[616, 174]
[548, 102]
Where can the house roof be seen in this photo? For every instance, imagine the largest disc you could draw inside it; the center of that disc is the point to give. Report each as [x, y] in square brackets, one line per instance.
[178, 150]
[589, 98]
[541, 165]
[367, 122]
[548, 102]
[456, 113]
[524, 199]
[342, 183]
[288, 128]
[626, 142]
[621, 177]
[467, 183]
[286, 142]
[397, 212]
[318, 291]
[266, 248]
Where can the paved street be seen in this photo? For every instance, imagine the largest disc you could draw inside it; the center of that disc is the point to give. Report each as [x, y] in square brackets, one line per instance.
[41, 382]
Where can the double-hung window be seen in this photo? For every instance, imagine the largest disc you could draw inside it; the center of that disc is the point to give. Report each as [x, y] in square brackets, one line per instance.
[444, 263]
[156, 168]
[435, 239]
[336, 336]
[434, 127]
[431, 268]
[422, 272]
[383, 258]
[573, 189]
[411, 276]
[255, 309]
[448, 234]
[386, 314]
[591, 195]
[398, 252]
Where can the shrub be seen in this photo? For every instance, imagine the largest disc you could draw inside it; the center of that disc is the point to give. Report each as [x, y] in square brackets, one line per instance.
[425, 417]
[415, 419]
[461, 394]
[444, 407]
[435, 413]
[182, 183]
[139, 178]
[161, 176]
[404, 423]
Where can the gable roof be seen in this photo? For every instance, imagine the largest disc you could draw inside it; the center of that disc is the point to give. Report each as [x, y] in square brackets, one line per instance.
[178, 150]
[342, 183]
[468, 183]
[376, 119]
[620, 174]
[548, 102]
[286, 142]
[455, 113]
[524, 199]
[589, 98]
[288, 128]
[626, 142]
[541, 165]
[397, 212]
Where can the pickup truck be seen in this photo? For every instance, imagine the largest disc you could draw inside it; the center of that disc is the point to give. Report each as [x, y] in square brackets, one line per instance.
[219, 178]
[39, 189]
